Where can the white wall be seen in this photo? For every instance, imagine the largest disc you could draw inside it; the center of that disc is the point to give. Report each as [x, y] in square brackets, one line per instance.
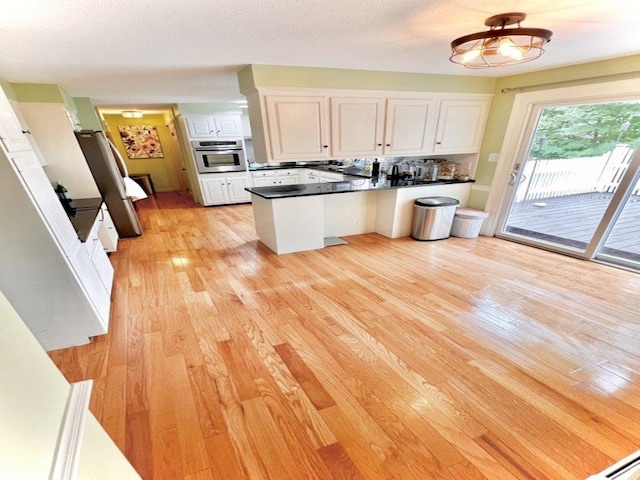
[33, 397]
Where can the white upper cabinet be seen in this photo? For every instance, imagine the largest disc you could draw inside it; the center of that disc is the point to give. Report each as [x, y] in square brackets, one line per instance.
[228, 126]
[214, 126]
[298, 127]
[12, 135]
[461, 125]
[290, 125]
[357, 126]
[410, 126]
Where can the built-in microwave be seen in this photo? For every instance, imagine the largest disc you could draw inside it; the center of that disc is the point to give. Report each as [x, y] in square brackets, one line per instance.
[213, 156]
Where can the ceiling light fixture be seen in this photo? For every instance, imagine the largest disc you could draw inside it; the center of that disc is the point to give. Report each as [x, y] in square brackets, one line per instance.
[500, 46]
[132, 114]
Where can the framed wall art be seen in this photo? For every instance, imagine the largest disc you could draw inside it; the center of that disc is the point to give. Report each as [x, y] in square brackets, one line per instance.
[141, 141]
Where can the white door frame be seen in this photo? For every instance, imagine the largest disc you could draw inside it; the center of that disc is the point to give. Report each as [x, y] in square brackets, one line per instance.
[518, 131]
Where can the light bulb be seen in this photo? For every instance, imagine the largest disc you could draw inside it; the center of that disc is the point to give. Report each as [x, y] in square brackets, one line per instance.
[509, 49]
[470, 55]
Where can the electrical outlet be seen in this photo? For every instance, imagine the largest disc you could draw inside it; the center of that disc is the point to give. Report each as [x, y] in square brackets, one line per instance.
[494, 157]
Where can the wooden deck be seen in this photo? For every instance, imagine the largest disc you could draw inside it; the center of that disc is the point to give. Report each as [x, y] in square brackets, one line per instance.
[571, 221]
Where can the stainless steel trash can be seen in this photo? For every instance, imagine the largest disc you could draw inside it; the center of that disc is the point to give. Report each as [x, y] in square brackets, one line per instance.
[433, 217]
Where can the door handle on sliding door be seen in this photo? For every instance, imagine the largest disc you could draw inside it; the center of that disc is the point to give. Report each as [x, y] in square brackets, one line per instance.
[512, 179]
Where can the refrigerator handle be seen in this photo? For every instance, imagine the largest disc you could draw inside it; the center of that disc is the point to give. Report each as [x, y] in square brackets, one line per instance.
[121, 164]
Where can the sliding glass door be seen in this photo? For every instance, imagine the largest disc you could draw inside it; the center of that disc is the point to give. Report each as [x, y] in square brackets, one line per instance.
[574, 188]
[621, 244]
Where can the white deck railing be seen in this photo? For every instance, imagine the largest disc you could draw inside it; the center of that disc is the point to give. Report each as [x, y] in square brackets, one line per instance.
[571, 176]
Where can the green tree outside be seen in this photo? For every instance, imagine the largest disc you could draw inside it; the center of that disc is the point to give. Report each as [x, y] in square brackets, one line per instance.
[585, 130]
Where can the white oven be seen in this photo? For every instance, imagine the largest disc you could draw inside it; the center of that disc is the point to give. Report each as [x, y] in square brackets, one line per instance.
[213, 156]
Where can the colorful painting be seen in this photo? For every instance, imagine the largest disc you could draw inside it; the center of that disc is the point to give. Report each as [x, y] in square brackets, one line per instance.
[141, 141]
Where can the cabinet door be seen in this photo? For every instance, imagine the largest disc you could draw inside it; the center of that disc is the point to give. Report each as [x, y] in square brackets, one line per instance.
[107, 231]
[312, 177]
[298, 126]
[264, 181]
[289, 180]
[331, 177]
[201, 127]
[357, 126]
[104, 268]
[461, 126]
[47, 202]
[98, 256]
[93, 286]
[11, 132]
[228, 126]
[213, 191]
[236, 190]
[410, 127]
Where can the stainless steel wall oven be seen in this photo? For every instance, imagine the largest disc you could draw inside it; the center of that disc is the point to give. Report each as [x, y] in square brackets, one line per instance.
[213, 156]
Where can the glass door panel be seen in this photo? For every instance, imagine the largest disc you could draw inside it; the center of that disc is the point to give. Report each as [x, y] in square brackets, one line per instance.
[622, 245]
[575, 161]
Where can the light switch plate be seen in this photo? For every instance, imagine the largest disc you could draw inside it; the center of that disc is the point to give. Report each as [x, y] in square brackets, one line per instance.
[494, 157]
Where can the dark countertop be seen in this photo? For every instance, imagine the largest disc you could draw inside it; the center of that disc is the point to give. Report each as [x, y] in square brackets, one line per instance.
[354, 185]
[86, 212]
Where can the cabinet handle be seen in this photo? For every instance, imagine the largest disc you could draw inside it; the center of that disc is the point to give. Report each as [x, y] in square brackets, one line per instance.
[438, 143]
[325, 146]
[26, 132]
[379, 144]
[388, 144]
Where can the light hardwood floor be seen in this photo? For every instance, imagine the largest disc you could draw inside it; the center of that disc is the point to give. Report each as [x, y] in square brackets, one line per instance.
[381, 359]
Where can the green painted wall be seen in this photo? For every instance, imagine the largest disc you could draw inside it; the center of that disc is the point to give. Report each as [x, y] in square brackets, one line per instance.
[38, 93]
[209, 108]
[43, 93]
[87, 114]
[311, 77]
[163, 170]
[246, 82]
[8, 90]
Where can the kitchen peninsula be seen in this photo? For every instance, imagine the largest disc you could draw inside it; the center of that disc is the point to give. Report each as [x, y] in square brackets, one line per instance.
[294, 218]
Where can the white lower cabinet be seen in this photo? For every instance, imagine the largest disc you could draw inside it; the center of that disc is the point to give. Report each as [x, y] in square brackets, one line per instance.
[293, 180]
[236, 190]
[59, 286]
[93, 284]
[331, 177]
[293, 176]
[224, 189]
[107, 230]
[312, 176]
[98, 256]
[268, 178]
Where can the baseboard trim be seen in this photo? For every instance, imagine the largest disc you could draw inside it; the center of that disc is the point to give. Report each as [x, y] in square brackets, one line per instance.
[67, 454]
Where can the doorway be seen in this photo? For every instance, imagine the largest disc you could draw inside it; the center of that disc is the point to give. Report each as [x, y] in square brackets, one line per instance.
[574, 186]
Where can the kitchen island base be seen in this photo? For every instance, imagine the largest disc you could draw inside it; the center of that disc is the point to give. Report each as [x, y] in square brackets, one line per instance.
[300, 223]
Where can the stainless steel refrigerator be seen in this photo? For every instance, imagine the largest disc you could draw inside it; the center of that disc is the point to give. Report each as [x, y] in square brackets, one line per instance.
[108, 175]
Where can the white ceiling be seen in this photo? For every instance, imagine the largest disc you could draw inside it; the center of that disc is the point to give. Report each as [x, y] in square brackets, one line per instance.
[124, 52]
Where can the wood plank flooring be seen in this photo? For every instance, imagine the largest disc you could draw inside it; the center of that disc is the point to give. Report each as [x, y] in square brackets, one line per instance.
[381, 359]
